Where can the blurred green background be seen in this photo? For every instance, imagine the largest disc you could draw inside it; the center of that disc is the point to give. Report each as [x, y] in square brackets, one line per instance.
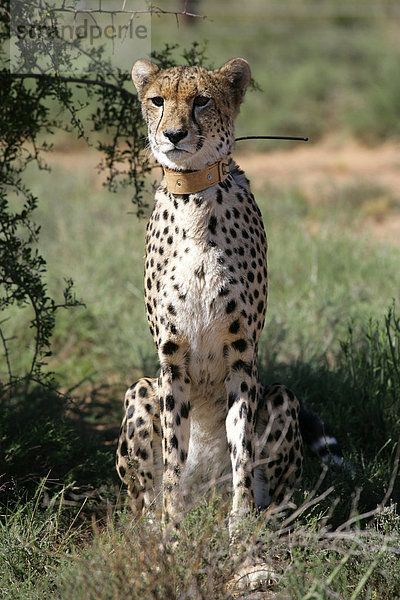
[323, 65]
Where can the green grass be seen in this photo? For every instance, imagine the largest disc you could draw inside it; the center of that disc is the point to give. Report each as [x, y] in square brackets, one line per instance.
[321, 274]
[46, 556]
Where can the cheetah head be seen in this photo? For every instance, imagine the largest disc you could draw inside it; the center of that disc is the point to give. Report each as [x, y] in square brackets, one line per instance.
[190, 111]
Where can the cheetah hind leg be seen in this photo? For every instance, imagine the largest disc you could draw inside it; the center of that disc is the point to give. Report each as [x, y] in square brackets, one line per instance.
[139, 461]
[280, 446]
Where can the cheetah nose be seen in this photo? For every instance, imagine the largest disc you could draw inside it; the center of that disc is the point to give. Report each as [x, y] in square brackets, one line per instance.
[175, 135]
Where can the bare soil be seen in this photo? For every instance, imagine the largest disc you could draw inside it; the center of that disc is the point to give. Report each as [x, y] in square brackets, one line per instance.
[309, 165]
[330, 165]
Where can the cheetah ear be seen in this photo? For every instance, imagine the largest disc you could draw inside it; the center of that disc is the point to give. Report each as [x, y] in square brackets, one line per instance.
[143, 73]
[237, 72]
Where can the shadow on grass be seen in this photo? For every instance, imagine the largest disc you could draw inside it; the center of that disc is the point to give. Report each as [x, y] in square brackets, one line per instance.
[46, 435]
[358, 400]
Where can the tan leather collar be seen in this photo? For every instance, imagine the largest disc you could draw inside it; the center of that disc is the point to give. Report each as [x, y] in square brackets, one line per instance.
[190, 182]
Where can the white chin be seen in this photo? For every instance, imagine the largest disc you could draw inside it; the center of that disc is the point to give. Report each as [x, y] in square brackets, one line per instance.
[174, 158]
[181, 160]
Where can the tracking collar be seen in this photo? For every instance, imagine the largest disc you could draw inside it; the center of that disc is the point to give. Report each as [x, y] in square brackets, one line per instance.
[191, 182]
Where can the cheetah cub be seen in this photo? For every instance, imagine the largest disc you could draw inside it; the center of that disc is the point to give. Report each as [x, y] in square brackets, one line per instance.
[206, 417]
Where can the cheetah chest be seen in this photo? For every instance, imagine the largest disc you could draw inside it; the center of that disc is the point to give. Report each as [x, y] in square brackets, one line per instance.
[188, 274]
[205, 275]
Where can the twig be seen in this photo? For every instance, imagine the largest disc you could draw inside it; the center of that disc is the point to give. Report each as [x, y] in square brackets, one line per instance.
[39, 493]
[391, 344]
[7, 357]
[393, 476]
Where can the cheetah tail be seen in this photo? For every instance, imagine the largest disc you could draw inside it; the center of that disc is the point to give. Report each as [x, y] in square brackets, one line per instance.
[318, 438]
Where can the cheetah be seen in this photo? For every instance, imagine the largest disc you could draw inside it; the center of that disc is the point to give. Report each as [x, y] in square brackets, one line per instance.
[206, 417]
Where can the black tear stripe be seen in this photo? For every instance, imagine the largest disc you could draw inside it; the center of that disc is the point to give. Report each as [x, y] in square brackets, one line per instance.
[177, 82]
[159, 121]
[200, 141]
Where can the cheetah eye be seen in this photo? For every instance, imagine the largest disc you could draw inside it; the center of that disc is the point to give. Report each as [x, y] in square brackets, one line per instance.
[201, 100]
[157, 101]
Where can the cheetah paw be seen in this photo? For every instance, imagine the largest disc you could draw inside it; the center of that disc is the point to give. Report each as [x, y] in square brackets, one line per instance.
[255, 576]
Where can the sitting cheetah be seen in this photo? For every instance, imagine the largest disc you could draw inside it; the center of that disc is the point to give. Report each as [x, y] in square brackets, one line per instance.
[207, 416]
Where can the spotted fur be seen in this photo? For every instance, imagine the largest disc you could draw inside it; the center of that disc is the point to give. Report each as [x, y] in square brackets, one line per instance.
[206, 417]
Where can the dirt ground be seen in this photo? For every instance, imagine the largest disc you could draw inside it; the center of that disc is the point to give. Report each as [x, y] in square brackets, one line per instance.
[330, 165]
[312, 168]
[310, 165]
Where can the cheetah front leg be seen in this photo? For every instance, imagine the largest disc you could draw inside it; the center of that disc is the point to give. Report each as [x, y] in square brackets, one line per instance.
[242, 389]
[174, 394]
